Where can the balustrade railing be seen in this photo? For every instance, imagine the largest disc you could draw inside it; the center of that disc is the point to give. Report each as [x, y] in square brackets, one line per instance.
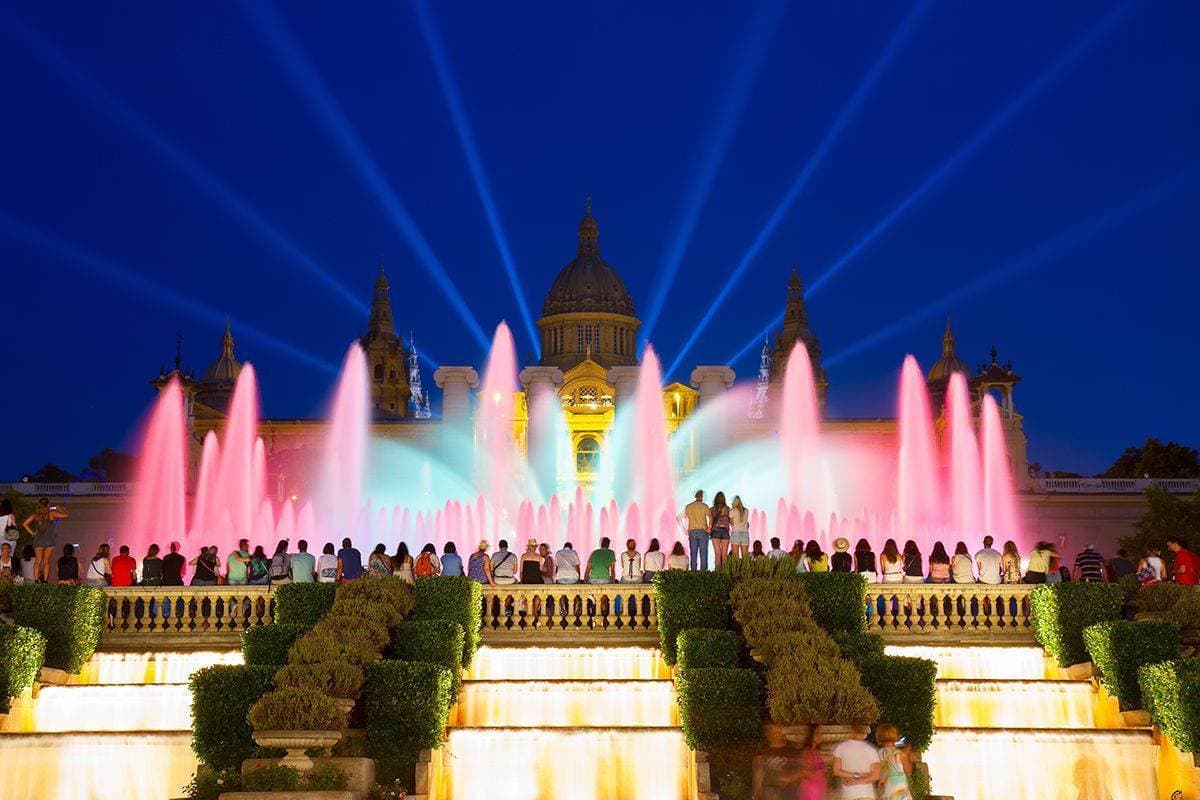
[1116, 485]
[550, 611]
[974, 611]
[150, 615]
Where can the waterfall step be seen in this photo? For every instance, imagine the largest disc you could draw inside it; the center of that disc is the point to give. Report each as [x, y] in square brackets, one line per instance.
[566, 663]
[102, 708]
[159, 667]
[985, 703]
[568, 702]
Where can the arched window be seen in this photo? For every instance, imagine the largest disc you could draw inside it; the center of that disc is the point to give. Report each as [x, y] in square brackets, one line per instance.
[379, 372]
[587, 455]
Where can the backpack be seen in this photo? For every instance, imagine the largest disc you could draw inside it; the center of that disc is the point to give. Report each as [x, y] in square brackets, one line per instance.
[424, 566]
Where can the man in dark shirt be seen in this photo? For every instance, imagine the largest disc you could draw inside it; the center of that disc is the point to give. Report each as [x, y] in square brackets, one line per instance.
[173, 565]
[1119, 566]
[349, 562]
[1089, 566]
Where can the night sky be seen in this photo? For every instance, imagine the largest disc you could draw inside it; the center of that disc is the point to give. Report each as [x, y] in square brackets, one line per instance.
[165, 164]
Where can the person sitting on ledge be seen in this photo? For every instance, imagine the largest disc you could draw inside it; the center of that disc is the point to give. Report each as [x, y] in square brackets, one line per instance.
[601, 566]
[451, 561]
[566, 564]
[504, 565]
[841, 560]
[678, 558]
[479, 565]
[776, 551]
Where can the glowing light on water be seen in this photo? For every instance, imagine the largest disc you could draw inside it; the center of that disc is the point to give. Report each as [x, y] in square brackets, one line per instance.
[919, 491]
[560, 663]
[157, 667]
[1015, 704]
[999, 504]
[496, 454]
[567, 764]
[346, 442]
[966, 489]
[654, 484]
[975, 764]
[95, 766]
[153, 707]
[570, 703]
[800, 433]
[995, 663]
[157, 509]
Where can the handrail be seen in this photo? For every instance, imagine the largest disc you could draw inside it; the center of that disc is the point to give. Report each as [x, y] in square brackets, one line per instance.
[1116, 485]
[975, 611]
[549, 611]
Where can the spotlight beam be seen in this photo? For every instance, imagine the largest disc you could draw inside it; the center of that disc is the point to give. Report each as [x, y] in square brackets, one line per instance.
[466, 137]
[314, 91]
[107, 271]
[897, 41]
[745, 68]
[1017, 105]
[1069, 239]
[758, 337]
[71, 73]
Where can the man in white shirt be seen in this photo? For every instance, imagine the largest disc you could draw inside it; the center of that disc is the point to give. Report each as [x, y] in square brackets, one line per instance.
[856, 766]
[504, 564]
[987, 561]
[566, 564]
[776, 551]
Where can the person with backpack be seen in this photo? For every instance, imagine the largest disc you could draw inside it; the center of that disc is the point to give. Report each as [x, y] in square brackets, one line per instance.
[259, 571]
[281, 564]
[427, 563]
[504, 565]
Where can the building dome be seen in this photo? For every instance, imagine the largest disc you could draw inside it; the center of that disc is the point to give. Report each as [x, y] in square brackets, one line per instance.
[225, 368]
[588, 284]
[949, 363]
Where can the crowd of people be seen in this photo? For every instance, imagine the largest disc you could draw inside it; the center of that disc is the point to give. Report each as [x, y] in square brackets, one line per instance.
[860, 770]
[723, 527]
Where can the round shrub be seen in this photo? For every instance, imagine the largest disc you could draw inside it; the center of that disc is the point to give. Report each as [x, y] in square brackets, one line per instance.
[389, 591]
[806, 641]
[801, 691]
[317, 646]
[384, 613]
[296, 710]
[334, 678]
[367, 630]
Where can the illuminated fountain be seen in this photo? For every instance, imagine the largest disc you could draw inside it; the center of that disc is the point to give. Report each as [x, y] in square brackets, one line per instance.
[567, 703]
[563, 663]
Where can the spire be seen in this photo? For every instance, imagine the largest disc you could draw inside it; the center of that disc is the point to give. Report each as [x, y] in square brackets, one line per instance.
[227, 340]
[381, 324]
[758, 404]
[795, 315]
[948, 348]
[418, 400]
[589, 231]
[179, 351]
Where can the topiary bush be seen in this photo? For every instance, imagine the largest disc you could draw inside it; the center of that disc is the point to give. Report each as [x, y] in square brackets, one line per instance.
[1159, 596]
[22, 651]
[456, 599]
[1171, 691]
[904, 687]
[432, 641]
[391, 591]
[719, 706]
[272, 778]
[269, 644]
[838, 600]
[294, 709]
[70, 617]
[805, 638]
[1119, 648]
[859, 648]
[739, 567]
[326, 645]
[367, 630]
[384, 613]
[221, 697]
[407, 704]
[686, 600]
[707, 647]
[760, 629]
[334, 678]
[1186, 612]
[802, 690]
[303, 603]
[1061, 611]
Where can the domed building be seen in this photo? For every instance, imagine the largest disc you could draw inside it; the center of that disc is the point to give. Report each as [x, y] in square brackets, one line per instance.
[216, 386]
[938, 379]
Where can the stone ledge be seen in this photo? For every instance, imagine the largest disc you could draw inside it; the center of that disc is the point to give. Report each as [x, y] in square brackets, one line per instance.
[360, 771]
[292, 796]
[53, 677]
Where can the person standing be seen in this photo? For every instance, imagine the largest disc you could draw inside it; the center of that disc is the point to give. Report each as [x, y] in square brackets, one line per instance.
[349, 562]
[8, 524]
[479, 565]
[856, 766]
[989, 563]
[1151, 568]
[895, 764]
[42, 525]
[451, 561]
[739, 531]
[327, 565]
[720, 528]
[504, 565]
[303, 565]
[123, 570]
[631, 563]
[1119, 566]
[698, 520]
[237, 563]
[1039, 562]
[841, 560]
[173, 566]
[1184, 563]
[601, 565]
[1089, 566]
[566, 564]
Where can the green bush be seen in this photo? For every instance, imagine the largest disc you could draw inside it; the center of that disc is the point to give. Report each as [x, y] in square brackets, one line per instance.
[838, 600]
[303, 603]
[707, 647]
[334, 678]
[6, 587]
[210, 784]
[689, 600]
[326, 779]
[70, 617]
[1171, 690]
[1186, 613]
[392, 592]
[296, 710]
[433, 641]
[738, 567]
[221, 698]
[407, 704]
[859, 648]
[317, 646]
[904, 688]
[719, 706]
[456, 599]
[269, 644]
[367, 630]
[272, 778]
[1118, 648]
[803, 690]
[21, 653]
[1062, 610]
[384, 613]
[1159, 596]
[760, 630]
[919, 784]
[804, 638]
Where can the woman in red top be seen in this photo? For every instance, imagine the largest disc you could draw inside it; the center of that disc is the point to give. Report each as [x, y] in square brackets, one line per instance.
[123, 567]
[1184, 563]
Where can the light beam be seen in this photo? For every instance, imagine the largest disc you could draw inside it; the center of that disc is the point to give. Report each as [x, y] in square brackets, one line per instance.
[326, 108]
[466, 137]
[899, 38]
[71, 73]
[981, 137]
[1070, 239]
[758, 337]
[745, 67]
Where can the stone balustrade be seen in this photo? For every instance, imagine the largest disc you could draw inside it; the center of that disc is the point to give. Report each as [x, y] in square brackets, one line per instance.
[184, 617]
[554, 612]
[952, 612]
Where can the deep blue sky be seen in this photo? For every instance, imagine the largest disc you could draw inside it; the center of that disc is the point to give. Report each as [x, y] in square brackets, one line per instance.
[622, 101]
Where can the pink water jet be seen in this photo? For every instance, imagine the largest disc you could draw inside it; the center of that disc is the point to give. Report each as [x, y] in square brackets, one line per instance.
[496, 451]
[966, 488]
[236, 492]
[654, 481]
[157, 509]
[344, 452]
[800, 431]
[917, 463]
[999, 501]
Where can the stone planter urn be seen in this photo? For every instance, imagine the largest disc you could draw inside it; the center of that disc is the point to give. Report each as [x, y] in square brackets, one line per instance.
[832, 735]
[295, 743]
[346, 704]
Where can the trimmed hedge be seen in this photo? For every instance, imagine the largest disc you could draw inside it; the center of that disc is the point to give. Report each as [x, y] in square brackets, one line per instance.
[1119, 648]
[454, 599]
[689, 600]
[1160, 596]
[268, 645]
[1172, 694]
[407, 704]
[70, 617]
[303, 603]
[719, 706]
[21, 653]
[1062, 610]
[859, 648]
[905, 690]
[838, 600]
[432, 641]
[707, 647]
[221, 697]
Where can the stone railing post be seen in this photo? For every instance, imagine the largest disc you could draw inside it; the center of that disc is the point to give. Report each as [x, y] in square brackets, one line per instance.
[456, 384]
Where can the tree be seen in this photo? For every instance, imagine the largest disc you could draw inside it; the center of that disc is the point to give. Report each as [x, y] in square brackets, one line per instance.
[110, 465]
[51, 473]
[1158, 460]
[1166, 515]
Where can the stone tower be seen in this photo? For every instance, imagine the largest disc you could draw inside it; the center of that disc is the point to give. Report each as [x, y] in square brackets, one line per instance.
[386, 356]
[795, 328]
